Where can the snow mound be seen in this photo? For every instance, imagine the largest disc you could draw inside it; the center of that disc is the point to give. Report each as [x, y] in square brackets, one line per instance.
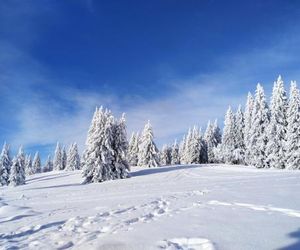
[187, 244]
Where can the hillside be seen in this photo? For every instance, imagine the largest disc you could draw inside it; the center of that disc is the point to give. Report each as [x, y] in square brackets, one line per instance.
[176, 207]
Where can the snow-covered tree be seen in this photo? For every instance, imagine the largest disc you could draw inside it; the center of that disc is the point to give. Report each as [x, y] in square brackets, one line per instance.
[217, 133]
[133, 150]
[247, 128]
[175, 157]
[5, 165]
[28, 165]
[292, 147]
[239, 151]
[48, 165]
[64, 158]
[99, 151]
[195, 148]
[37, 166]
[277, 127]
[58, 158]
[182, 150]
[203, 148]
[17, 174]
[212, 138]
[106, 148]
[228, 137]
[73, 158]
[165, 155]
[120, 147]
[21, 156]
[148, 152]
[259, 124]
[218, 155]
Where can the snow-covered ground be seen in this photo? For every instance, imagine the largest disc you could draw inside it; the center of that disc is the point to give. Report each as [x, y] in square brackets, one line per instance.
[177, 207]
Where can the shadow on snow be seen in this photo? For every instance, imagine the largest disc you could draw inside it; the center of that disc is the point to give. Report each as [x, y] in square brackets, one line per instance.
[296, 245]
[30, 231]
[163, 169]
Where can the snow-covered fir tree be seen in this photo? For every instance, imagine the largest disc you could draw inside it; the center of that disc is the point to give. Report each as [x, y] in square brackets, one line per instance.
[58, 158]
[195, 151]
[148, 152]
[17, 173]
[64, 158]
[21, 156]
[239, 151]
[106, 148]
[28, 165]
[133, 150]
[185, 156]
[120, 147]
[5, 165]
[203, 148]
[165, 155]
[36, 164]
[247, 121]
[73, 158]
[277, 127]
[48, 165]
[182, 150]
[258, 133]
[228, 138]
[212, 138]
[292, 147]
[217, 133]
[99, 152]
[209, 139]
[175, 157]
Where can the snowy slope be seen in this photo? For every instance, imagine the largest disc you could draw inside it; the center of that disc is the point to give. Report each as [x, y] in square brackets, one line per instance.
[177, 207]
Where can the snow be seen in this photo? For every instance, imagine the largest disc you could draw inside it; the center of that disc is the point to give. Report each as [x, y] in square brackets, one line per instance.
[177, 207]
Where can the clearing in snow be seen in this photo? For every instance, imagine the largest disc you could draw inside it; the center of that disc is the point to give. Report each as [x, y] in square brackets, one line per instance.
[176, 207]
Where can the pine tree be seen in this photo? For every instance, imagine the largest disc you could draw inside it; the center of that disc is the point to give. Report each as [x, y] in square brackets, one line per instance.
[193, 147]
[217, 133]
[217, 139]
[165, 155]
[182, 150]
[175, 157]
[148, 152]
[49, 165]
[105, 156]
[5, 165]
[37, 163]
[58, 158]
[133, 150]
[292, 147]
[120, 147]
[73, 158]
[28, 165]
[64, 158]
[21, 158]
[212, 138]
[247, 127]
[17, 174]
[258, 136]
[228, 138]
[239, 152]
[277, 127]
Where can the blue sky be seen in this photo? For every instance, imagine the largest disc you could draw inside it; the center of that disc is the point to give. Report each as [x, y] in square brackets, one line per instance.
[177, 63]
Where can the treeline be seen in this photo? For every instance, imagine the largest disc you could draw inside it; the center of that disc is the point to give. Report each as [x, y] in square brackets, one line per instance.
[265, 135]
[14, 171]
